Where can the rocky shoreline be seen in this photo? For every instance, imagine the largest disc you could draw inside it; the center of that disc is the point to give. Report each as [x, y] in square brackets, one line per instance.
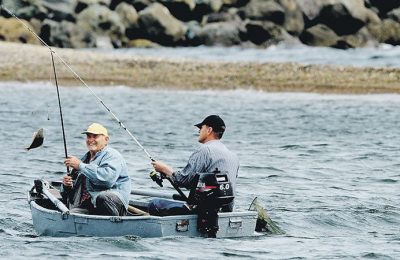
[249, 23]
[25, 62]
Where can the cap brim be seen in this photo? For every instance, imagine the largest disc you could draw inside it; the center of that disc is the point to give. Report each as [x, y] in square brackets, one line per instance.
[86, 132]
[198, 125]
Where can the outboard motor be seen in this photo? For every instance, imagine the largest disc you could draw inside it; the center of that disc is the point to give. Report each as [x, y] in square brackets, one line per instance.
[213, 192]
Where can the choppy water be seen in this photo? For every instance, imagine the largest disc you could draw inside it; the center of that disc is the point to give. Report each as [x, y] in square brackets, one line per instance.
[325, 166]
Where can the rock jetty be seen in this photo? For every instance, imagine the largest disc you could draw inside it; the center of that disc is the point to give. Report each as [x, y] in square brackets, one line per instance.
[249, 23]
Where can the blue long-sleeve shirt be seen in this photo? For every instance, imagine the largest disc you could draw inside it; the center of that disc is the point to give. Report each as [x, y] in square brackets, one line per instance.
[107, 171]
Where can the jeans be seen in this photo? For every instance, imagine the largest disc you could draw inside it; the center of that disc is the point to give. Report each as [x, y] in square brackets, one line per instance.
[164, 207]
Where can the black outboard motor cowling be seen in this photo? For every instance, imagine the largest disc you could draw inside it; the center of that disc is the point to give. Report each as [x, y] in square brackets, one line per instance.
[213, 191]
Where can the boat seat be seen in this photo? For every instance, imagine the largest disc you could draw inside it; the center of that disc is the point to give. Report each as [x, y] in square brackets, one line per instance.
[136, 212]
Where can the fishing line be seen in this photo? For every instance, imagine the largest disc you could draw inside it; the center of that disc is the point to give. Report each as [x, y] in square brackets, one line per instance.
[81, 80]
[48, 113]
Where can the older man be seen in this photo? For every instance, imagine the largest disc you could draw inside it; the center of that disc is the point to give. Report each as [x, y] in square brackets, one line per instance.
[99, 183]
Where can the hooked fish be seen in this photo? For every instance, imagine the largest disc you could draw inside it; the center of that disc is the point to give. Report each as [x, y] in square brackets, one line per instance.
[37, 139]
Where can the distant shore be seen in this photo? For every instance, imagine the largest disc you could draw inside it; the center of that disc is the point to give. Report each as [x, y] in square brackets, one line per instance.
[23, 62]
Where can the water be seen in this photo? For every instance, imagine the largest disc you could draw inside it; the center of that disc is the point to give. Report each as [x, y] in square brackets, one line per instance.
[325, 166]
[382, 56]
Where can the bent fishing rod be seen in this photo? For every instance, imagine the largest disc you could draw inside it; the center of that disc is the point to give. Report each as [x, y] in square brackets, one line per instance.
[81, 80]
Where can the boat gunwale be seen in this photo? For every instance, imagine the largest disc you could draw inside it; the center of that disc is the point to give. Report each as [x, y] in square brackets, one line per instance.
[34, 204]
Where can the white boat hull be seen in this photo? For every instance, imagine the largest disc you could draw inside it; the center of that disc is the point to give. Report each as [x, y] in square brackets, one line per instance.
[48, 222]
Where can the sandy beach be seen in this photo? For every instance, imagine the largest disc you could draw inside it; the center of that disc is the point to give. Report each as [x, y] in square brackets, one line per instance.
[23, 62]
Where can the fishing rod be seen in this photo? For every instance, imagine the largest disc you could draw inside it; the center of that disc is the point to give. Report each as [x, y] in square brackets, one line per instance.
[59, 105]
[81, 80]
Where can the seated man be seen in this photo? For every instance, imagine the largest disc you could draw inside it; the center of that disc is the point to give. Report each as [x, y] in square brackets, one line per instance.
[211, 156]
[99, 183]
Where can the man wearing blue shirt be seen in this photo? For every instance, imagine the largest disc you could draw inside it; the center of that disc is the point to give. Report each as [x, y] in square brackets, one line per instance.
[99, 183]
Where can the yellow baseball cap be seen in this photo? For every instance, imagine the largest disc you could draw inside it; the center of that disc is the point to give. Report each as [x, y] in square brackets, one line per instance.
[96, 129]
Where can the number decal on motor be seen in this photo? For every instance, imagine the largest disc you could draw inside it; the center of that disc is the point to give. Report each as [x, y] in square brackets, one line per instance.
[224, 186]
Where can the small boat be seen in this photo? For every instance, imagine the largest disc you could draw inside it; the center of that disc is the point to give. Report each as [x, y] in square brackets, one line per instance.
[52, 218]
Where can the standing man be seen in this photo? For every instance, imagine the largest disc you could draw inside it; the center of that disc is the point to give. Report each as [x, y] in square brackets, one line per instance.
[211, 155]
[99, 183]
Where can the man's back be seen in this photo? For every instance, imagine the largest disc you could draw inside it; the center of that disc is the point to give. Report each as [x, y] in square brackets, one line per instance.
[221, 158]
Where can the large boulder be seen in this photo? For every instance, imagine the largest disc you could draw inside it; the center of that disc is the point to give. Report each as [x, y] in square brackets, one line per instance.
[66, 34]
[60, 10]
[57, 10]
[394, 15]
[129, 18]
[362, 38]
[158, 25]
[142, 43]
[128, 15]
[230, 15]
[345, 17]
[309, 8]
[25, 9]
[104, 23]
[261, 32]
[205, 7]
[294, 22]
[181, 9]
[319, 35]
[193, 30]
[13, 31]
[386, 32]
[221, 34]
[264, 10]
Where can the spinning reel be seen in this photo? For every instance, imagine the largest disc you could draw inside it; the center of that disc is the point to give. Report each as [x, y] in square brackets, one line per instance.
[158, 178]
